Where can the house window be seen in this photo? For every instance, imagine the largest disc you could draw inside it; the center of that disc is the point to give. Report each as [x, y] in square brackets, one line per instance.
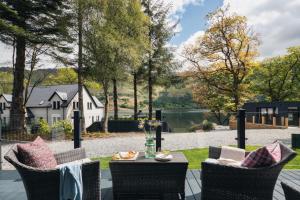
[89, 105]
[4, 121]
[74, 105]
[2, 106]
[77, 103]
[56, 105]
[93, 119]
[55, 119]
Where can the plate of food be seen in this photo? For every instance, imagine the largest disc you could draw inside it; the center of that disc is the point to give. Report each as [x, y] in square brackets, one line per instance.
[125, 155]
[163, 156]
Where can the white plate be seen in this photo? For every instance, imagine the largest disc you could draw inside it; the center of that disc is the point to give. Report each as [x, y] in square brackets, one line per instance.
[163, 157]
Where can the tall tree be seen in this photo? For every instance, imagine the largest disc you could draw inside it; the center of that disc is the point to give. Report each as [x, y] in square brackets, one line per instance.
[278, 78]
[30, 22]
[111, 41]
[223, 56]
[160, 31]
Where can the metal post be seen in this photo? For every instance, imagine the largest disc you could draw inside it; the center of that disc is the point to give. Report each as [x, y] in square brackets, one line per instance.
[241, 139]
[77, 138]
[158, 131]
[1, 112]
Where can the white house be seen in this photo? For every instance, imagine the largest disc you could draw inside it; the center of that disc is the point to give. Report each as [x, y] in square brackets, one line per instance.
[54, 103]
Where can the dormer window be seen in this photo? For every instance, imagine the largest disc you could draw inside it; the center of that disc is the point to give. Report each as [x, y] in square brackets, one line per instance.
[56, 105]
[2, 106]
[75, 105]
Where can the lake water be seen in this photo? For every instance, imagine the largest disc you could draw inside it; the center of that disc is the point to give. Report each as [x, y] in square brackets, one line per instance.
[182, 120]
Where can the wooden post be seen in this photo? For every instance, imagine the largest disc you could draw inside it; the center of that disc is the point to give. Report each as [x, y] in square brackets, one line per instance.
[77, 138]
[274, 121]
[263, 119]
[286, 122]
[158, 131]
[241, 125]
[253, 119]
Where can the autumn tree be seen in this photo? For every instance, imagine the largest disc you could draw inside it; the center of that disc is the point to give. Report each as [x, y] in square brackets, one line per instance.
[223, 56]
[278, 78]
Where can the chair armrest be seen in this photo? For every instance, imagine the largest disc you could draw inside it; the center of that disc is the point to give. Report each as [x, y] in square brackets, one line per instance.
[69, 156]
[290, 192]
[214, 152]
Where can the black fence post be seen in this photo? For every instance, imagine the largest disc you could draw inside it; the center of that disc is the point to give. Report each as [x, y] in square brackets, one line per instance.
[241, 125]
[77, 132]
[158, 131]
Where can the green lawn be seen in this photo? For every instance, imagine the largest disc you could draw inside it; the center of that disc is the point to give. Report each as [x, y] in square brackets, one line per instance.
[196, 156]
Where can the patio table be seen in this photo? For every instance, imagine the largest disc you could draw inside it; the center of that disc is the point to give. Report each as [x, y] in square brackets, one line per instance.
[148, 178]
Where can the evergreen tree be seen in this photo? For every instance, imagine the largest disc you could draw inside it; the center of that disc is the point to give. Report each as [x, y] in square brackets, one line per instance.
[159, 56]
[30, 22]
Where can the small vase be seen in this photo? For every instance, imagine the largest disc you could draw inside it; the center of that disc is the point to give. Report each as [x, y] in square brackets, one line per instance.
[149, 149]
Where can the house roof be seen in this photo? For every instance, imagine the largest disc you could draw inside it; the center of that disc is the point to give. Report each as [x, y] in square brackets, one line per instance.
[98, 103]
[7, 97]
[41, 96]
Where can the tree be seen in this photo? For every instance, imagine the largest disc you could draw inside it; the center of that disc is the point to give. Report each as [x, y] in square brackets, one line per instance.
[278, 78]
[223, 56]
[30, 22]
[111, 42]
[159, 56]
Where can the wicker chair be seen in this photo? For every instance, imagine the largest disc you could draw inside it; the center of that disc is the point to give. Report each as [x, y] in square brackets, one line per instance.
[220, 182]
[44, 184]
[290, 192]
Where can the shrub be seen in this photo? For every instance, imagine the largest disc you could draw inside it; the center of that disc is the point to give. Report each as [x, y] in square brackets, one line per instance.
[44, 128]
[195, 127]
[66, 125]
[207, 125]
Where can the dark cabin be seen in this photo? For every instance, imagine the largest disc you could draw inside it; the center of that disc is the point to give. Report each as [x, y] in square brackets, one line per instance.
[280, 113]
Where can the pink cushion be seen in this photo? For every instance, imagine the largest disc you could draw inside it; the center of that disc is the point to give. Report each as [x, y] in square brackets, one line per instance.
[36, 154]
[275, 151]
[263, 157]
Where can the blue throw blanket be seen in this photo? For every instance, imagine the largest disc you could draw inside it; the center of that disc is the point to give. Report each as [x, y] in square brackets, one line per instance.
[70, 182]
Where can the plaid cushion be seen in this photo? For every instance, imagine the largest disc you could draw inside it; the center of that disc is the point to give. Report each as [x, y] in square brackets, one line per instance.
[275, 151]
[259, 158]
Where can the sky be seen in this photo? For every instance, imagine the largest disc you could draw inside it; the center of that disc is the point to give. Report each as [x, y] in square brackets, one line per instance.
[277, 22]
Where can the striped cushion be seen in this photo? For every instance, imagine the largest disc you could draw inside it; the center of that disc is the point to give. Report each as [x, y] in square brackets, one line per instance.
[36, 154]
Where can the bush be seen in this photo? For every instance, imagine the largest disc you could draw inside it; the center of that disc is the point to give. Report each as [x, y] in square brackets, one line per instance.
[43, 127]
[195, 127]
[66, 125]
[207, 125]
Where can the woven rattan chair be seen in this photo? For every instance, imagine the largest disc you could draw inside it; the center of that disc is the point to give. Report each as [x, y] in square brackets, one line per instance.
[44, 184]
[290, 192]
[220, 182]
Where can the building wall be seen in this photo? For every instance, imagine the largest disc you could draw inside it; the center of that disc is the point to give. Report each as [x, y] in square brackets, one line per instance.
[39, 113]
[6, 113]
[89, 114]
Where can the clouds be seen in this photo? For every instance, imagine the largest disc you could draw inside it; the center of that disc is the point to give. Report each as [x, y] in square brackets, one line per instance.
[276, 21]
[178, 6]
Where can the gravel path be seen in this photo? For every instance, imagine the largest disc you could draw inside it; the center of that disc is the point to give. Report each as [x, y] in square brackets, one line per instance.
[173, 141]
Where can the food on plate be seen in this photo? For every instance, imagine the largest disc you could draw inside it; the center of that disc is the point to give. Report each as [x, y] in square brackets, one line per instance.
[124, 155]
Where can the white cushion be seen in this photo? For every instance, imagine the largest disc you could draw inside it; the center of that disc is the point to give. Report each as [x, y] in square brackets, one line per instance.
[229, 154]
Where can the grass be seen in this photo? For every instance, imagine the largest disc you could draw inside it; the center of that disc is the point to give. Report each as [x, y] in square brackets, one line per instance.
[196, 156]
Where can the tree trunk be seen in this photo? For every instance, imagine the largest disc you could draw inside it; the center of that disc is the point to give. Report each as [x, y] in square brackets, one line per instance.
[106, 107]
[150, 89]
[135, 96]
[116, 111]
[17, 113]
[80, 71]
